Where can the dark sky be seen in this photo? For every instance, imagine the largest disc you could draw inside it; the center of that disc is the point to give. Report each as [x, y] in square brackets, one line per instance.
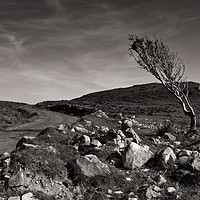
[61, 49]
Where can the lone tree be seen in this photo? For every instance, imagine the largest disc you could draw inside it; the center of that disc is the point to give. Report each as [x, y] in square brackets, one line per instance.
[155, 57]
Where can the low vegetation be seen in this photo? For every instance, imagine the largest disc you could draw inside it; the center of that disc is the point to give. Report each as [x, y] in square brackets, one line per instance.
[12, 114]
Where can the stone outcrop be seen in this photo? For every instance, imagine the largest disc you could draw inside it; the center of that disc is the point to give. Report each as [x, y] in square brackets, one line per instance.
[135, 155]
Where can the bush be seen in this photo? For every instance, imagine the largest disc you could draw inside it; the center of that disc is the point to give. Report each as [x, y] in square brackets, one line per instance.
[165, 127]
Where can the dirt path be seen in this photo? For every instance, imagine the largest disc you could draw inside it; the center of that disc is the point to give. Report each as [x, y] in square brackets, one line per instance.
[9, 138]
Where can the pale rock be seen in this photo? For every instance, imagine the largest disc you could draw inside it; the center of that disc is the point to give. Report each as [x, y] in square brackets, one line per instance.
[166, 156]
[51, 149]
[85, 140]
[135, 156]
[6, 162]
[196, 162]
[91, 166]
[118, 192]
[28, 196]
[61, 127]
[171, 190]
[153, 192]
[81, 129]
[160, 180]
[30, 146]
[14, 198]
[96, 143]
[130, 133]
[121, 134]
[170, 136]
[109, 191]
[104, 129]
[177, 143]
[4, 156]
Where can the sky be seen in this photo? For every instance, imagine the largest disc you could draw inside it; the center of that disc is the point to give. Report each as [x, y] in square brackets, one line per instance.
[63, 49]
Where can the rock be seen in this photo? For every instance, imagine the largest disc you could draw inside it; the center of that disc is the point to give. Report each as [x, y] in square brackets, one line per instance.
[4, 156]
[91, 166]
[103, 129]
[81, 129]
[130, 133]
[14, 198]
[100, 114]
[184, 157]
[6, 162]
[28, 196]
[121, 134]
[135, 156]
[30, 146]
[177, 143]
[196, 162]
[166, 157]
[84, 140]
[61, 127]
[153, 192]
[160, 180]
[96, 143]
[22, 178]
[171, 190]
[51, 149]
[170, 136]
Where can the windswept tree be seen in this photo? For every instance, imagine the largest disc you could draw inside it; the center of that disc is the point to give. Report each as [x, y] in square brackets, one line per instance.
[155, 57]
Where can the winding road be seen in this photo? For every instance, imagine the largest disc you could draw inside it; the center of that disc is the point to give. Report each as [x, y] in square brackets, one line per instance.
[9, 138]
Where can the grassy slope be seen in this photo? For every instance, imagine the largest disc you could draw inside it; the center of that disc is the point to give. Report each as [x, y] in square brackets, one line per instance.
[142, 100]
[12, 114]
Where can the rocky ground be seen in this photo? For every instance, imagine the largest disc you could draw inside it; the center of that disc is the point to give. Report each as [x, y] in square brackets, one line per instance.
[99, 157]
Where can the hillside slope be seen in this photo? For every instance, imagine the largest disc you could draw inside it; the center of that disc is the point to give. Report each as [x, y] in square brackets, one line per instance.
[148, 99]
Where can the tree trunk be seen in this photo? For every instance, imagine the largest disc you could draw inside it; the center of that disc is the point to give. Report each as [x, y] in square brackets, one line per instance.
[193, 122]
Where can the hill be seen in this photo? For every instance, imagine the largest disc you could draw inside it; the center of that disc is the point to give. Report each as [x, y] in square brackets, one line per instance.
[145, 100]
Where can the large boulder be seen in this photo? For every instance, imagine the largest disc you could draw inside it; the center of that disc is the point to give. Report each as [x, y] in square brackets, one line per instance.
[90, 166]
[135, 155]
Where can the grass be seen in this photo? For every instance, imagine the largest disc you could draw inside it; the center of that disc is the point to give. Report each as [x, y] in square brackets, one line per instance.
[12, 114]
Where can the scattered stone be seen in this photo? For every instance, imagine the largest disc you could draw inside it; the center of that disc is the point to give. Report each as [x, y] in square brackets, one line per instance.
[90, 165]
[171, 190]
[51, 149]
[135, 156]
[121, 134]
[128, 179]
[30, 146]
[103, 129]
[130, 133]
[28, 196]
[153, 192]
[6, 162]
[109, 191]
[100, 114]
[166, 157]
[96, 143]
[4, 156]
[118, 192]
[84, 140]
[61, 127]
[170, 136]
[160, 180]
[196, 162]
[14, 198]
[155, 141]
[81, 129]
[177, 143]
